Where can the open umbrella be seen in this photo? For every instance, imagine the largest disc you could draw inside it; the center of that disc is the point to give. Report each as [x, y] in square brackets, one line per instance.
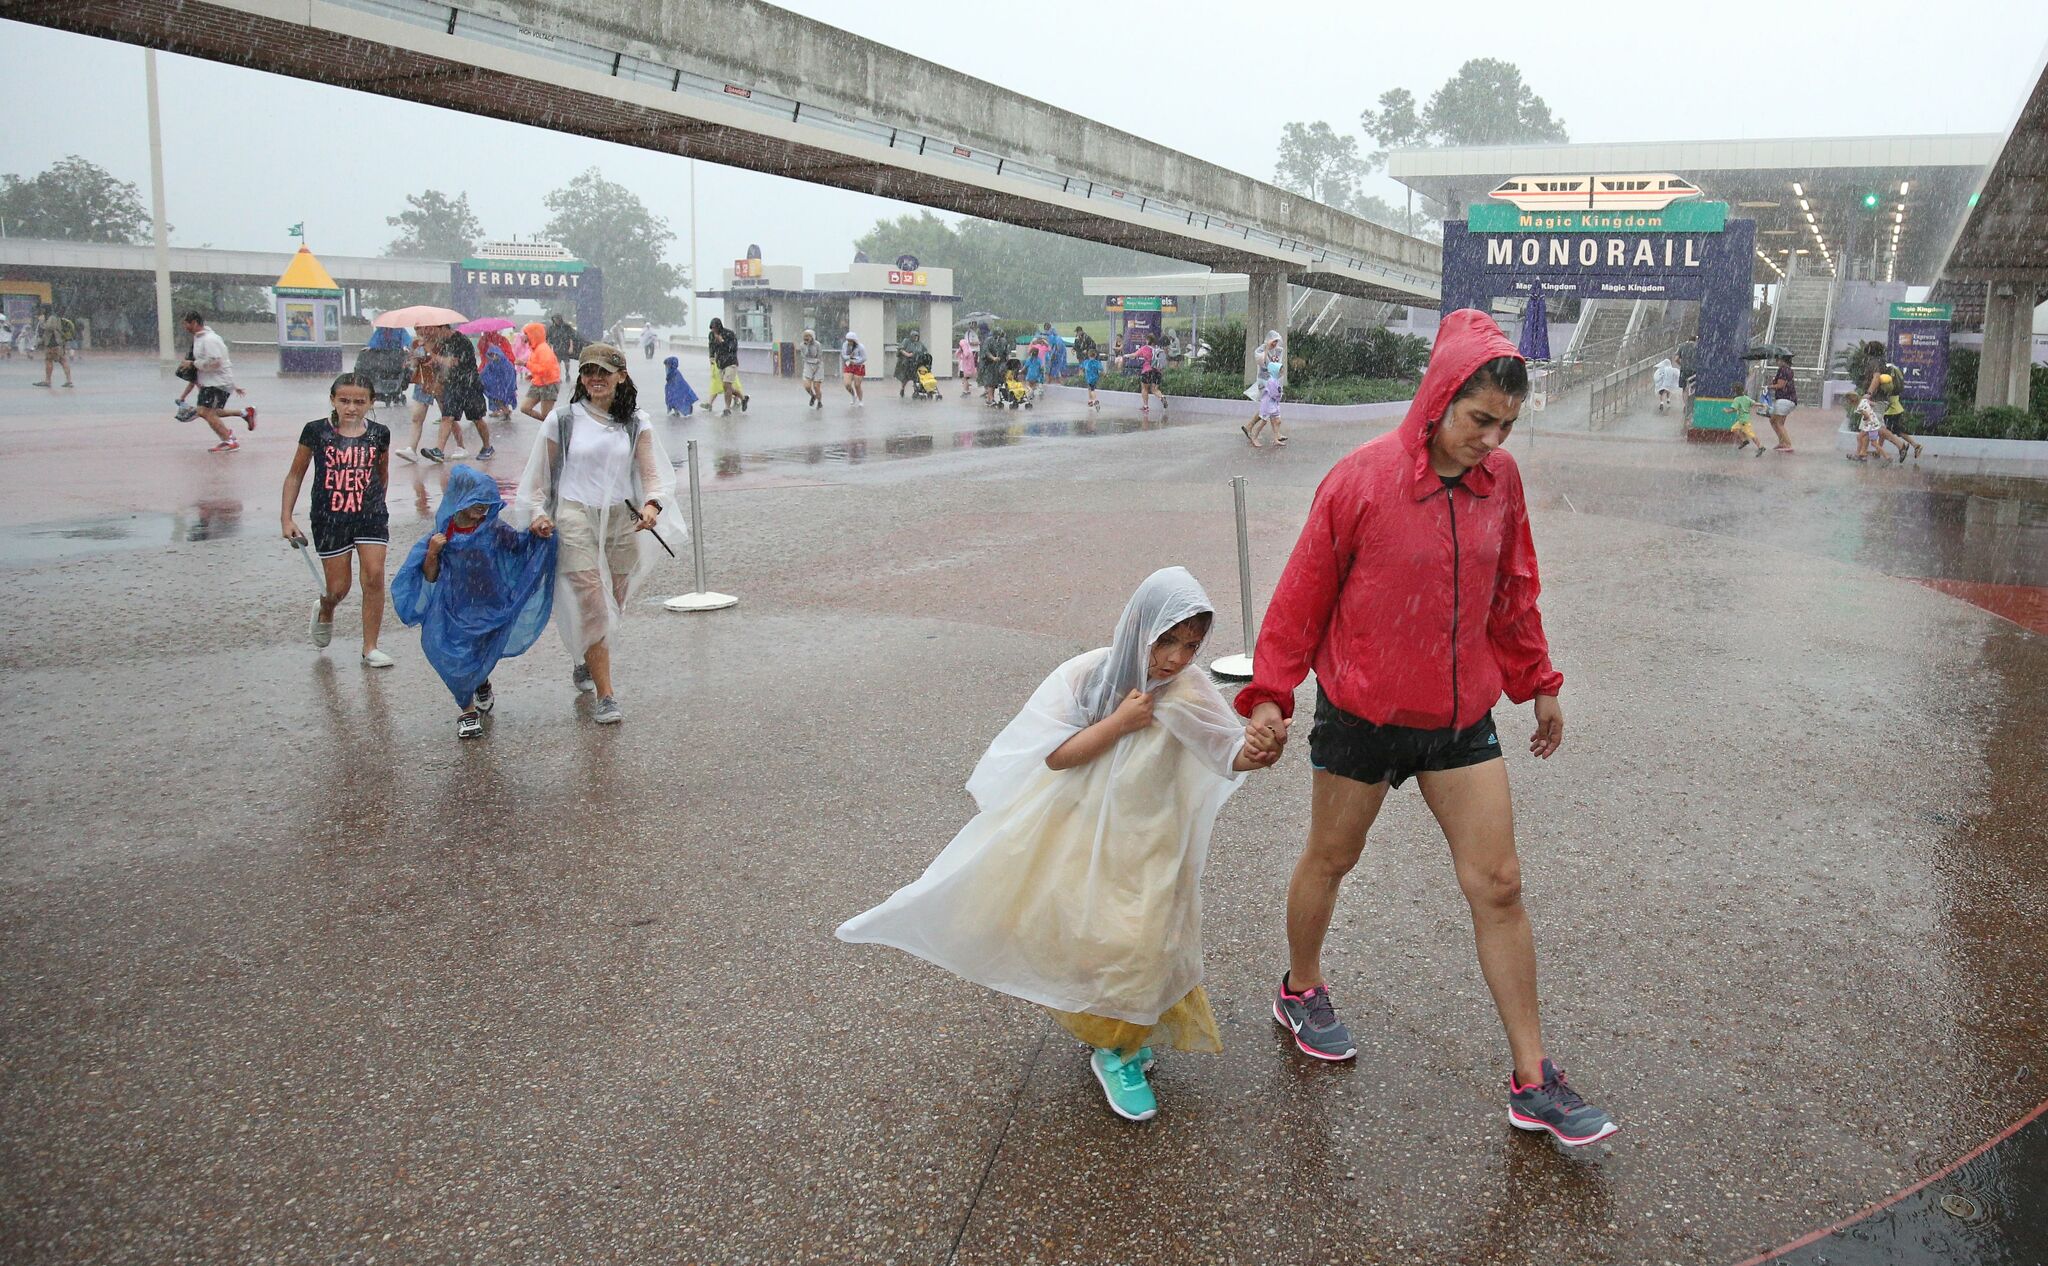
[1766, 351]
[417, 315]
[485, 325]
[1535, 341]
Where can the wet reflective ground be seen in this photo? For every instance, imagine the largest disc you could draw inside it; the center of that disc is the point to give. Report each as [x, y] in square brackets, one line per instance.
[293, 975]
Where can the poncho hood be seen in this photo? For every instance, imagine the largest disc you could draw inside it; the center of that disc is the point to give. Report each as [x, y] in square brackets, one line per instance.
[468, 486]
[1467, 339]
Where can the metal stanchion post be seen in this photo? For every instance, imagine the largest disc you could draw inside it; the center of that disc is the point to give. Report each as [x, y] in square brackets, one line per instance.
[1240, 666]
[701, 598]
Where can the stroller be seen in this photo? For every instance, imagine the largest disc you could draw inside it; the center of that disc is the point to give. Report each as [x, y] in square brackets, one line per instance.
[924, 384]
[386, 367]
[1015, 390]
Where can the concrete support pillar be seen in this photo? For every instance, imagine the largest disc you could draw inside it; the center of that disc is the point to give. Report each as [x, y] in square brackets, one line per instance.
[2019, 368]
[866, 317]
[1994, 366]
[938, 336]
[1265, 309]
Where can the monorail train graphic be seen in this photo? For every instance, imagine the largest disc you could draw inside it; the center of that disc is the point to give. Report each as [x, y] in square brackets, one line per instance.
[1640, 191]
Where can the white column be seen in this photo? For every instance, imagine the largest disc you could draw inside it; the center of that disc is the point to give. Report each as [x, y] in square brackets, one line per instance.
[938, 335]
[864, 316]
[1266, 309]
[166, 348]
[2019, 365]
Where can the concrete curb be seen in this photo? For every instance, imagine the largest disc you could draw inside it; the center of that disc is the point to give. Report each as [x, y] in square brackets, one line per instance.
[2016, 457]
[1216, 407]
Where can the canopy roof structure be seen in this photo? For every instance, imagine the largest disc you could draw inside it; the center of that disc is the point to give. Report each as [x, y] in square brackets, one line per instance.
[2003, 235]
[1890, 204]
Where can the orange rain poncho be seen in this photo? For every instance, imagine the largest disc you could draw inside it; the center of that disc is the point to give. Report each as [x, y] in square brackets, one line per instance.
[543, 367]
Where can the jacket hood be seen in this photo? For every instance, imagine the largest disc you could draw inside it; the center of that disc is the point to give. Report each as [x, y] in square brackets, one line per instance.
[468, 486]
[1466, 339]
[672, 362]
[535, 332]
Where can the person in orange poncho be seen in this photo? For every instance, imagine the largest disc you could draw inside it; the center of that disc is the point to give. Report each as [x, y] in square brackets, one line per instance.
[543, 372]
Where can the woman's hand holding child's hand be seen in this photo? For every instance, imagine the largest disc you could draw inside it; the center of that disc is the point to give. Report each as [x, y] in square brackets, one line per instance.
[1134, 713]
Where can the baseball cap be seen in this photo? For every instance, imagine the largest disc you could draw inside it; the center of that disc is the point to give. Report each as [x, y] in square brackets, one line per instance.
[604, 356]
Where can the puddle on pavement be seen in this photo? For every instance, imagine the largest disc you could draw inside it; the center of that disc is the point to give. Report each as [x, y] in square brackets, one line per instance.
[33, 543]
[727, 463]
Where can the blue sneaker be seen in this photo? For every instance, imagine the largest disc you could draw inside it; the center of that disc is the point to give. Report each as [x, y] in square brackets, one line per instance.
[1554, 1106]
[1312, 1018]
[1124, 1085]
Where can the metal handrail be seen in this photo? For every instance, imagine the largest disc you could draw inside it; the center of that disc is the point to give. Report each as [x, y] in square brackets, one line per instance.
[1613, 391]
[453, 19]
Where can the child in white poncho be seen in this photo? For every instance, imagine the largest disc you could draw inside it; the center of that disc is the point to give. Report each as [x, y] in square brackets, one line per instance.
[1078, 885]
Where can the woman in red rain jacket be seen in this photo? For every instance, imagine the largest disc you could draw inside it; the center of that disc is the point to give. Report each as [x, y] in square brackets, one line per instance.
[1412, 594]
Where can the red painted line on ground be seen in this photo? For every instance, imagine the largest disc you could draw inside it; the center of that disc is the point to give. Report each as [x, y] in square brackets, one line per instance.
[2024, 605]
[1936, 1176]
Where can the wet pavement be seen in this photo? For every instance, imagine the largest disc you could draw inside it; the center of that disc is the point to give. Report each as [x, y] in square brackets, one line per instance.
[291, 975]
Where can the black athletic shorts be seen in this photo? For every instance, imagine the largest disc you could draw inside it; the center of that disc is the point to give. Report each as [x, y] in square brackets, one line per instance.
[1354, 747]
[213, 397]
[1153, 377]
[340, 533]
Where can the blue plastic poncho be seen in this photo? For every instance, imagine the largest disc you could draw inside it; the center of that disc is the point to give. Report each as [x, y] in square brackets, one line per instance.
[681, 399]
[384, 337]
[501, 381]
[493, 597]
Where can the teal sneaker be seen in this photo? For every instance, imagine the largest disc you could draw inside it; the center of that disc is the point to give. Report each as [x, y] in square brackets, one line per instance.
[1124, 1085]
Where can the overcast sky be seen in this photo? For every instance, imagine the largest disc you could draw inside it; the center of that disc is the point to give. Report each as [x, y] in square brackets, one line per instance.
[248, 154]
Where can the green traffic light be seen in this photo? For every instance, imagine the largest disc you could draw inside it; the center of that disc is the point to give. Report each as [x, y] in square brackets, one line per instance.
[1870, 201]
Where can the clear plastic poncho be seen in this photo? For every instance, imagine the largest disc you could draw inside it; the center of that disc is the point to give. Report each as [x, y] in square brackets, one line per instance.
[1080, 889]
[492, 597]
[588, 601]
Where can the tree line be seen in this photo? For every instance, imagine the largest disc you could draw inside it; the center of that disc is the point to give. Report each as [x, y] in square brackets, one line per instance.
[1485, 103]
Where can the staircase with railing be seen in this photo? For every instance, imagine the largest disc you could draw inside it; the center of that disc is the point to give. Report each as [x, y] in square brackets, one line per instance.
[1800, 324]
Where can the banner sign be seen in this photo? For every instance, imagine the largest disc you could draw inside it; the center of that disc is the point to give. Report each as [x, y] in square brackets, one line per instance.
[477, 263]
[1679, 217]
[908, 277]
[746, 268]
[1923, 312]
[1141, 303]
[1919, 345]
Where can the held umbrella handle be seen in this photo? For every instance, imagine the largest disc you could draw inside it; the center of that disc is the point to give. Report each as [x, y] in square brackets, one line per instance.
[630, 509]
[305, 550]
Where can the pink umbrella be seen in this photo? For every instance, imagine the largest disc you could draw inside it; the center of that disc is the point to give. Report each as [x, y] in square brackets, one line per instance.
[417, 315]
[484, 325]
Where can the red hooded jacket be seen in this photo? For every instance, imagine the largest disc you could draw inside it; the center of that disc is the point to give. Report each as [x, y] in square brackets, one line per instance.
[1405, 595]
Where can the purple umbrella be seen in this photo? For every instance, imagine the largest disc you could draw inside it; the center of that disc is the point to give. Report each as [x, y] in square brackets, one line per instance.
[1534, 344]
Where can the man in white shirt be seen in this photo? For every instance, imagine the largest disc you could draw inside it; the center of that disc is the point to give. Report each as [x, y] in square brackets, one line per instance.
[216, 380]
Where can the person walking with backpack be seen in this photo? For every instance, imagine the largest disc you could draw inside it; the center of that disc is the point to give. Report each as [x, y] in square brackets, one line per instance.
[54, 333]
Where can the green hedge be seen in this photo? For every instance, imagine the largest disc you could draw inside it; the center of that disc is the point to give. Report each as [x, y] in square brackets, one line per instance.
[1214, 386]
[2003, 422]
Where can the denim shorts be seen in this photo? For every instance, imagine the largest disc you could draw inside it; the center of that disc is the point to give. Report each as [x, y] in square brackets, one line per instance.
[1355, 748]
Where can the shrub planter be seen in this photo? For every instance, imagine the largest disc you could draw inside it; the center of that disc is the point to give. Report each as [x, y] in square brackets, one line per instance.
[1241, 409]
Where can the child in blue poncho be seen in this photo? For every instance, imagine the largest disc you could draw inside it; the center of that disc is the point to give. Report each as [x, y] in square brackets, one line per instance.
[681, 399]
[501, 381]
[480, 590]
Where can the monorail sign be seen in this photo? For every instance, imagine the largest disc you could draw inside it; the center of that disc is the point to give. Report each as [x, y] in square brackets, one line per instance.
[1696, 253]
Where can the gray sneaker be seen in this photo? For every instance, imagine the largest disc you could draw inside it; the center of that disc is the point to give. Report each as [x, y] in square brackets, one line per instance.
[582, 678]
[1312, 1018]
[1554, 1106]
[607, 712]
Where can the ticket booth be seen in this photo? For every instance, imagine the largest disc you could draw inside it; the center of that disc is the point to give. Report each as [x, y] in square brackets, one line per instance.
[308, 318]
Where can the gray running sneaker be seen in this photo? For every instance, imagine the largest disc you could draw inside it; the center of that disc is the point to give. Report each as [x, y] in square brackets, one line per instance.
[582, 678]
[1556, 1107]
[1312, 1018]
[607, 712]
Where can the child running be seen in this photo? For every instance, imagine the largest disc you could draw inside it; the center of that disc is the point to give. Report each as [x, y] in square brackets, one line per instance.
[479, 589]
[1871, 432]
[811, 354]
[351, 461]
[1744, 429]
[1078, 884]
[1034, 369]
[1152, 375]
[1091, 367]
